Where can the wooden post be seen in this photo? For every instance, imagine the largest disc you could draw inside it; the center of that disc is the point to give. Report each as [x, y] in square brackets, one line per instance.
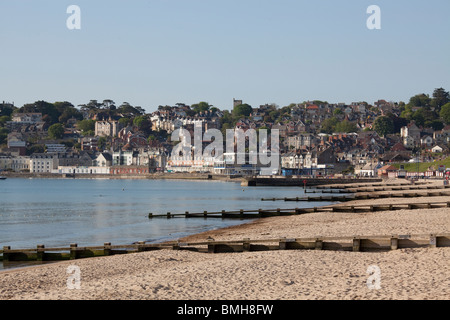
[186, 214]
[223, 214]
[205, 214]
[140, 246]
[297, 211]
[73, 251]
[107, 248]
[211, 247]
[246, 244]
[352, 208]
[150, 215]
[260, 213]
[448, 204]
[315, 209]
[278, 211]
[168, 215]
[319, 244]
[394, 243]
[176, 246]
[371, 208]
[282, 244]
[241, 213]
[433, 241]
[356, 244]
[40, 252]
[5, 253]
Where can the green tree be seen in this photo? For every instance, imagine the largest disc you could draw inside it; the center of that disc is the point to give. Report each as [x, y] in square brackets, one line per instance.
[345, 127]
[4, 119]
[383, 125]
[102, 143]
[445, 113]
[124, 122]
[143, 124]
[440, 98]
[242, 110]
[86, 125]
[200, 107]
[420, 100]
[3, 135]
[329, 125]
[56, 131]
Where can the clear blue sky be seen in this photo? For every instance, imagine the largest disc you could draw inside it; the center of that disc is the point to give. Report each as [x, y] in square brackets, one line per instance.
[161, 52]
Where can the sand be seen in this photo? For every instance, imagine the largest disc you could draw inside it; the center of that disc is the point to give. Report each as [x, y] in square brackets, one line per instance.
[416, 274]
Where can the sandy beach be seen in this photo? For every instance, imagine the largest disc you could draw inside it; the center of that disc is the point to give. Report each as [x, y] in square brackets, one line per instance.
[416, 274]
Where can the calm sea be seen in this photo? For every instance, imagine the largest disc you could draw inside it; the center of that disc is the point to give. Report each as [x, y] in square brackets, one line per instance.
[57, 212]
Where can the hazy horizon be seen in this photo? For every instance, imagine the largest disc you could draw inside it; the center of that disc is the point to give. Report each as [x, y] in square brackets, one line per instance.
[163, 52]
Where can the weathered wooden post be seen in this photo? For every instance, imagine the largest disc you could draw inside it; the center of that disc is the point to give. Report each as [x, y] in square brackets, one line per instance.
[141, 246]
[187, 215]
[205, 214]
[356, 244]
[394, 243]
[211, 246]
[319, 244]
[433, 241]
[5, 253]
[282, 244]
[73, 251]
[150, 215]
[246, 244]
[107, 248]
[241, 214]
[40, 252]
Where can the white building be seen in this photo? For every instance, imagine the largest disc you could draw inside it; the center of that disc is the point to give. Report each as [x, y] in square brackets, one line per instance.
[82, 170]
[43, 163]
[107, 128]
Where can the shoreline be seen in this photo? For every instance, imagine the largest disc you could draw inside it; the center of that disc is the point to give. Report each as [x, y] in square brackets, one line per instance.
[413, 274]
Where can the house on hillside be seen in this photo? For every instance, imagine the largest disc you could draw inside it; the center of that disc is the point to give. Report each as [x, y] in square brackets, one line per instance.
[385, 170]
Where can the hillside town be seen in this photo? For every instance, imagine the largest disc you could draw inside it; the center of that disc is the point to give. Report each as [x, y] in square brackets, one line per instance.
[316, 138]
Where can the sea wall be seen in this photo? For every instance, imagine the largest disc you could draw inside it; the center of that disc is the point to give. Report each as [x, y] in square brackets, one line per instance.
[286, 181]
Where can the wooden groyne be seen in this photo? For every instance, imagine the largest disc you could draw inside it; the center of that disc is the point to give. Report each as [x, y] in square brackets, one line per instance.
[350, 243]
[262, 213]
[364, 196]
